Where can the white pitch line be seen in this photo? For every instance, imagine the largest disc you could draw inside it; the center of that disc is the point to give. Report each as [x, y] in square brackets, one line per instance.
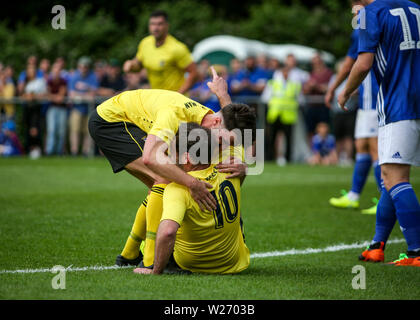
[334, 248]
[291, 252]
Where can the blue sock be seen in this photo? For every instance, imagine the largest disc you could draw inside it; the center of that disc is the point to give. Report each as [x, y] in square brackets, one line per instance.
[377, 172]
[361, 171]
[408, 213]
[385, 217]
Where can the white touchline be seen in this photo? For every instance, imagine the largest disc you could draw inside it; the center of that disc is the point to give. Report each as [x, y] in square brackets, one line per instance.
[291, 252]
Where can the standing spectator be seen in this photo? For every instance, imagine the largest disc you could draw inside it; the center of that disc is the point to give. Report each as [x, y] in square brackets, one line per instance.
[234, 74]
[166, 59]
[61, 64]
[9, 141]
[316, 87]
[295, 72]
[251, 81]
[281, 94]
[83, 85]
[7, 91]
[30, 62]
[135, 80]
[100, 69]
[323, 146]
[34, 90]
[113, 82]
[44, 67]
[57, 112]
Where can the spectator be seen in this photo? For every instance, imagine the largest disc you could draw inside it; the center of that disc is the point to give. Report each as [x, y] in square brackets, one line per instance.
[34, 90]
[112, 82]
[136, 80]
[61, 64]
[100, 70]
[9, 141]
[317, 86]
[235, 72]
[7, 91]
[57, 112]
[273, 64]
[343, 123]
[281, 94]
[323, 147]
[30, 62]
[295, 73]
[83, 85]
[44, 67]
[250, 81]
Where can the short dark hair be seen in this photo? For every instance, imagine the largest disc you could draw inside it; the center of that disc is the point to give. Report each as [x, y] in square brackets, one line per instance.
[240, 116]
[160, 13]
[205, 142]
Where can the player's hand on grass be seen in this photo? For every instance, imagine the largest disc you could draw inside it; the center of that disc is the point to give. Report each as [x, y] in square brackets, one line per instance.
[235, 167]
[218, 85]
[143, 271]
[200, 193]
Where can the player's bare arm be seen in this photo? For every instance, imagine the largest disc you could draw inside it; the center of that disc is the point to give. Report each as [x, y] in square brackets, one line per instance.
[155, 158]
[342, 75]
[165, 242]
[132, 65]
[358, 73]
[189, 81]
[218, 86]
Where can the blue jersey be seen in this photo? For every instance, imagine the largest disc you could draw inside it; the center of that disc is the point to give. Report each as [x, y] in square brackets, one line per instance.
[392, 33]
[323, 146]
[368, 90]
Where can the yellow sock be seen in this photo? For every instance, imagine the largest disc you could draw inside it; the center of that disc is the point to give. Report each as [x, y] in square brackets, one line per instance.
[153, 215]
[137, 234]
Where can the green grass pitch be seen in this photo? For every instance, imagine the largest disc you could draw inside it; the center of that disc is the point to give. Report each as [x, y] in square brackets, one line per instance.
[76, 212]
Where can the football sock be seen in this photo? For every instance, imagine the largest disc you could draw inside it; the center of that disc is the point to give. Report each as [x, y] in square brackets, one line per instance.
[385, 217]
[153, 215]
[361, 172]
[377, 173]
[137, 234]
[408, 213]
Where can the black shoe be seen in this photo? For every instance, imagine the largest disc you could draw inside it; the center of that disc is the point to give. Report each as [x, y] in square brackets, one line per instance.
[141, 265]
[121, 261]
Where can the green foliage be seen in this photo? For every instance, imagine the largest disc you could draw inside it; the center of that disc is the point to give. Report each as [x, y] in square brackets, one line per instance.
[97, 33]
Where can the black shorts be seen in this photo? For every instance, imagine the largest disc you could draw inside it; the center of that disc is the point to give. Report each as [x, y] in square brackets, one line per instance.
[120, 142]
[344, 123]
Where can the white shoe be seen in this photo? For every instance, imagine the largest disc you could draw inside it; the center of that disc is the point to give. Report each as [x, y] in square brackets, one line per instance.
[35, 153]
[281, 162]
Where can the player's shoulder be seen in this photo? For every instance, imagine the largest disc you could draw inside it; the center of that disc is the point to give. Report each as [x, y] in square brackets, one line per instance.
[175, 189]
[176, 44]
[149, 40]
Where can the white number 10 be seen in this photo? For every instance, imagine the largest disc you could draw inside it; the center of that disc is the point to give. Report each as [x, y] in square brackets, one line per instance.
[408, 43]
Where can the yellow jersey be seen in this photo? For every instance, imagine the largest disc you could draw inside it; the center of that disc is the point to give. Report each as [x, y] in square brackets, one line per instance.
[208, 242]
[166, 64]
[154, 111]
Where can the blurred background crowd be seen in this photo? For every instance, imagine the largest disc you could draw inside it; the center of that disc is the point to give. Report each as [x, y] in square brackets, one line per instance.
[44, 108]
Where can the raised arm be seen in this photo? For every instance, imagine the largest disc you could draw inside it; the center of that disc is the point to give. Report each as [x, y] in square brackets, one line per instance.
[219, 87]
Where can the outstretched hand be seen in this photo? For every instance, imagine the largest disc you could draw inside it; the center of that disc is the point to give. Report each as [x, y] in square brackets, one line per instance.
[218, 85]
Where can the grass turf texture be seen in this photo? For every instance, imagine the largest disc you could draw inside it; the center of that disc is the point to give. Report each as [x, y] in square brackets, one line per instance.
[77, 212]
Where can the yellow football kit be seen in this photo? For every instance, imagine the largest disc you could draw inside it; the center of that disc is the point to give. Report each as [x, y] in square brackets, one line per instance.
[165, 64]
[154, 111]
[208, 242]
